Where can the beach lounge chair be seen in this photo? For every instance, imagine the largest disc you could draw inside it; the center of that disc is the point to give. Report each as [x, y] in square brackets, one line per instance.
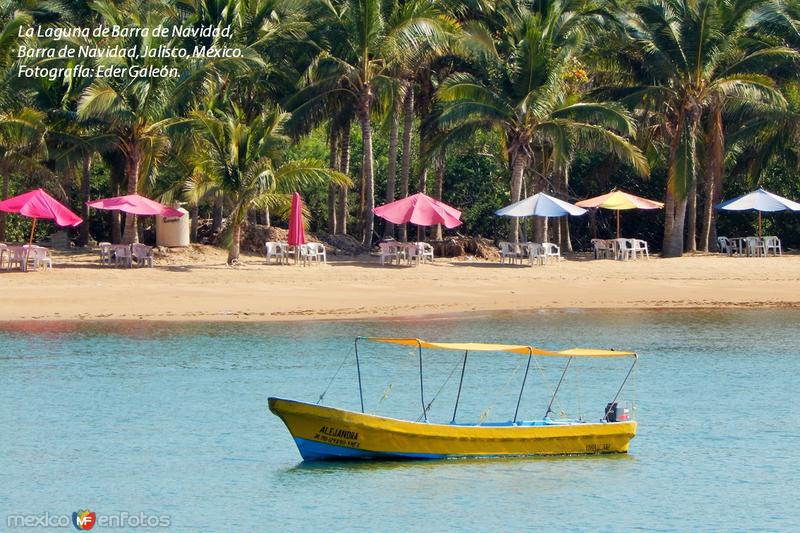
[772, 243]
[142, 254]
[389, 250]
[276, 250]
[639, 246]
[512, 252]
[319, 248]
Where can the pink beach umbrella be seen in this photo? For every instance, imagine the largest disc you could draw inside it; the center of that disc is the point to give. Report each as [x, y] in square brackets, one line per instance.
[420, 209]
[38, 204]
[297, 234]
[136, 205]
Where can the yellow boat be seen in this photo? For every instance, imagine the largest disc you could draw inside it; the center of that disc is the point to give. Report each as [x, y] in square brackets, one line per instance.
[326, 433]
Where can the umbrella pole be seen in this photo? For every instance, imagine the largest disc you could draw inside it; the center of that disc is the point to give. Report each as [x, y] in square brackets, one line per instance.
[33, 228]
[759, 223]
[617, 223]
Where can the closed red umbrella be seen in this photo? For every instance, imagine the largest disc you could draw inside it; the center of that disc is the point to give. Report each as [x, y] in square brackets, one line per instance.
[297, 234]
[38, 204]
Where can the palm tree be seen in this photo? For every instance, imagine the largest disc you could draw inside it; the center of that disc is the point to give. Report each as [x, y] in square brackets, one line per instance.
[138, 110]
[22, 148]
[689, 60]
[243, 159]
[364, 40]
[520, 92]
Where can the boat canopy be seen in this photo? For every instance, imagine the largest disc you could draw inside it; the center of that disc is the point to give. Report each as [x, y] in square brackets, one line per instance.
[509, 348]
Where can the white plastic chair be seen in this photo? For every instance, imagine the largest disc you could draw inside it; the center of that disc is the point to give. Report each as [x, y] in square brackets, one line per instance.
[123, 256]
[602, 248]
[142, 254]
[536, 253]
[319, 248]
[772, 243]
[388, 251]
[755, 247]
[623, 249]
[425, 251]
[41, 256]
[551, 250]
[512, 252]
[276, 250]
[3, 252]
[105, 253]
[308, 254]
[17, 256]
[639, 246]
[413, 254]
[726, 246]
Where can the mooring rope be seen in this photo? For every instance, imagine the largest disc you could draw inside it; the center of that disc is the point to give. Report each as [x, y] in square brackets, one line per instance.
[428, 407]
[347, 355]
[486, 412]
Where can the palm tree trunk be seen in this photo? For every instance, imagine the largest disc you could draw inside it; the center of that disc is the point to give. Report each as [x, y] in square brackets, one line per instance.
[691, 224]
[132, 164]
[86, 188]
[565, 243]
[333, 143]
[715, 147]
[675, 204]
[391, 168]
[216, 214]
[367, 167]
[194, 212]
[233, 251]
[344, 168]
[267, 223]
[519, 160]
[437, 192]
[674, 218]
[116, 222]
[405, 162]
[2, 213]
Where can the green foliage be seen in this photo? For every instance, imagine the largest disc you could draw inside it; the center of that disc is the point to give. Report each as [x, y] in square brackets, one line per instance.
[577, 86]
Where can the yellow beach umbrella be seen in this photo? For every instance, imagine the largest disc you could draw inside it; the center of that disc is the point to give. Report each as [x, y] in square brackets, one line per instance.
[618, 201]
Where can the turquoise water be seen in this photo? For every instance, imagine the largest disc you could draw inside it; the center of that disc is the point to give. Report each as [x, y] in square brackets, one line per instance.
[171, 420]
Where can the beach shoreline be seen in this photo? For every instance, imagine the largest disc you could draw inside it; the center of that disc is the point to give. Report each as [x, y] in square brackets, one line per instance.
[199, 286]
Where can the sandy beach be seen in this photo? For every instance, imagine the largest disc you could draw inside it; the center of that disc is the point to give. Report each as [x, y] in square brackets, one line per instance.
[197, 285]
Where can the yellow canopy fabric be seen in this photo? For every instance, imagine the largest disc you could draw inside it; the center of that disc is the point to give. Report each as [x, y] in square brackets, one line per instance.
[509, 348]
[618, 200]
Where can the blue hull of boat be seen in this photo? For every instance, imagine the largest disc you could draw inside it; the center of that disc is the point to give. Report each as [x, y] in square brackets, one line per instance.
[319, 451]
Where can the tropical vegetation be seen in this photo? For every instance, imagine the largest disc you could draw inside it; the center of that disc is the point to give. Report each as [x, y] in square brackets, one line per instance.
[357, 102]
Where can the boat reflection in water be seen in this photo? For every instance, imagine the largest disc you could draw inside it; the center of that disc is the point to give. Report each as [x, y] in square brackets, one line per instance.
[326, 433]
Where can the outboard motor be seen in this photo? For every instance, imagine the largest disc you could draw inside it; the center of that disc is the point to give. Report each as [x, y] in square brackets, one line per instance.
[617, 412]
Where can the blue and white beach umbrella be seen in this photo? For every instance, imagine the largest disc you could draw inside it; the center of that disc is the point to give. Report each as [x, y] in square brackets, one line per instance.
[541, 205]
[759, 200]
